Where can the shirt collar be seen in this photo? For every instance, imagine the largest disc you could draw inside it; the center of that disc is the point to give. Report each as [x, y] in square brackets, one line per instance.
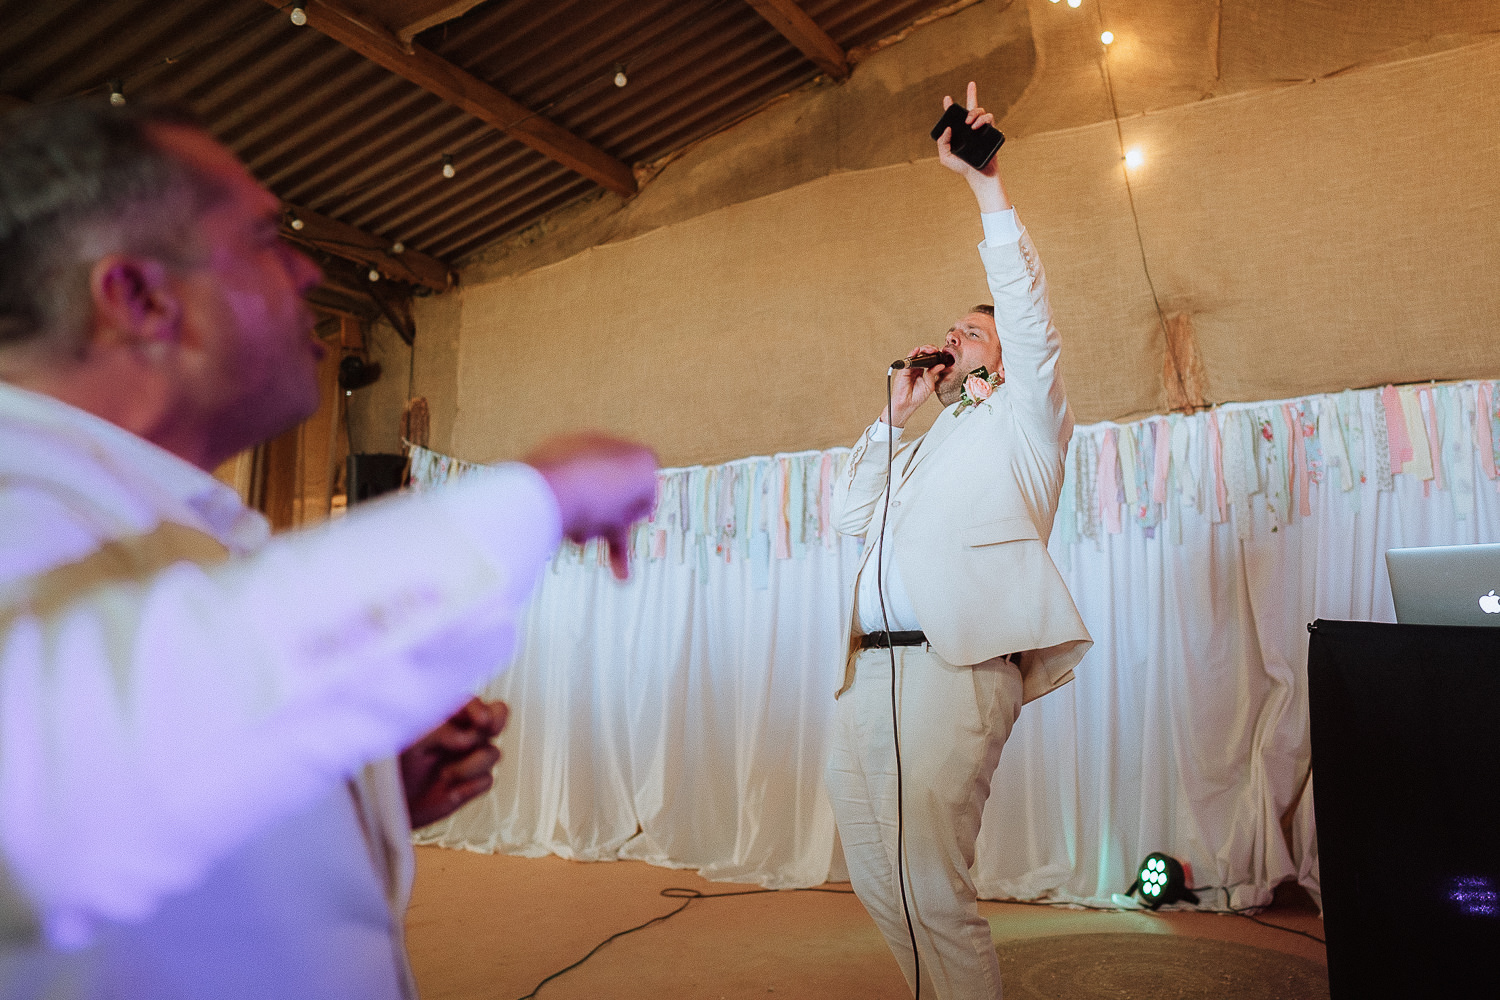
[214, 506]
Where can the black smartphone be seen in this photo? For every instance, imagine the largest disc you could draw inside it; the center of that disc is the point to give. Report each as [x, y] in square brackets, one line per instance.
[974, 146]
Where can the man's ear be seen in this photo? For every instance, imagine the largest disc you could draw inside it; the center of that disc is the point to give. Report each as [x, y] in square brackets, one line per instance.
[134, 303]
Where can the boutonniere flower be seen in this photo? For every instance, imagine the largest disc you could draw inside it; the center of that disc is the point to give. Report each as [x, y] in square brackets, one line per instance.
[979, 386]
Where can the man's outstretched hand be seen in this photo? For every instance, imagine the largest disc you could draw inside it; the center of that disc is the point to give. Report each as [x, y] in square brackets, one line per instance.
[603, 485]
[453, 763]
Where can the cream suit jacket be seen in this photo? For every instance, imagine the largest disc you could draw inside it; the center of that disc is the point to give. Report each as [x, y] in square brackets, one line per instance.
[974, 498]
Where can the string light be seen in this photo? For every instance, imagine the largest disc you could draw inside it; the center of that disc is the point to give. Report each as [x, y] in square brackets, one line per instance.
[1075, 3]
[1134, 157]
[398, 247]
[294, 222]
[374, 275]
[299, 16]
[449, 170]
[620, 78]
[117, 93]
[1107, 37]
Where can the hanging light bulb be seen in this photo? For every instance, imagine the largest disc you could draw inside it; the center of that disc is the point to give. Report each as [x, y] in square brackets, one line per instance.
[117, 93]
[1107, 37]
[1075, 3]
[1134, 157]
[374, 275]
[299, 16]
[294, 222]
[449, 171]
[398, 247]
[620, 78]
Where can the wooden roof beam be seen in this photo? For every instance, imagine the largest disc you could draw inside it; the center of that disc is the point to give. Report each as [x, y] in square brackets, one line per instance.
[466, 91]
[409, 18]
[352, 243]
[802, 31]
[343, 240]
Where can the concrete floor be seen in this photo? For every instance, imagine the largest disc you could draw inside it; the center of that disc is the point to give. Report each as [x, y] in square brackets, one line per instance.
[492, 926]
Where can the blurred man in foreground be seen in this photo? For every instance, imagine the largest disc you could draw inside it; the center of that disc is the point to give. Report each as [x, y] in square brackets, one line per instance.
[187, 707]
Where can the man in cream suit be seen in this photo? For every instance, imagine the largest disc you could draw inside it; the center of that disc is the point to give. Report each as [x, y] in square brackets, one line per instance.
[959, 592]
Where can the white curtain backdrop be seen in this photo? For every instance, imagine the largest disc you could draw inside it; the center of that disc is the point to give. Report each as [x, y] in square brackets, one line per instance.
[682, 718]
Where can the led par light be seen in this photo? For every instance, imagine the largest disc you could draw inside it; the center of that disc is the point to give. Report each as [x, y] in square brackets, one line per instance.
[1160, 880]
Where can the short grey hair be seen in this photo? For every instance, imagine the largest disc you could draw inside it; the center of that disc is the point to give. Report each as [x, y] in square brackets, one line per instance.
[71, 173]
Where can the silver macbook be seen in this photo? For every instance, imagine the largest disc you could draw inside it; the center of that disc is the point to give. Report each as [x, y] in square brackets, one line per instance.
[1446, 584]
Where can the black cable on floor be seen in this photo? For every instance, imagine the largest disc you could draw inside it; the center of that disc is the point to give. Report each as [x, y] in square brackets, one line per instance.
[1116, 909]
[1267, 923]
[687, 896]
[1256, 920]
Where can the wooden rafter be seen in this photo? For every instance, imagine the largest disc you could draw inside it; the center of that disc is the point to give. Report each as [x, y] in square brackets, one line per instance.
[343, 240]
[802, 31]
[466, 91]
[351, 243]
[409, 18]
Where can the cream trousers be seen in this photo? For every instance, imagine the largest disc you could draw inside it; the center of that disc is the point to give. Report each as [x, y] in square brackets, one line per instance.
[953, 723]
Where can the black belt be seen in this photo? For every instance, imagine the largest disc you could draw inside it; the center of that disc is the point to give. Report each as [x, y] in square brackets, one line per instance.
[883, 640]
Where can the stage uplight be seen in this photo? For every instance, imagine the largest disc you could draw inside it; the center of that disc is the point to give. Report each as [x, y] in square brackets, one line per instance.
[1160, 880]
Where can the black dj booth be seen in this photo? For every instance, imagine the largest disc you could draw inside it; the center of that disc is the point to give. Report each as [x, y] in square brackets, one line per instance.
[1406, 763]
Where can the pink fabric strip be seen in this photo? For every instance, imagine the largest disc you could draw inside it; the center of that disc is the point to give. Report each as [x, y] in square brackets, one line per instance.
[783, 499]
[659, 546]
[1109, 482]
[1484, 438]
[1434, 445]
[1163, 432]
[1395, 426]
[1300, 474]
[1216, 459]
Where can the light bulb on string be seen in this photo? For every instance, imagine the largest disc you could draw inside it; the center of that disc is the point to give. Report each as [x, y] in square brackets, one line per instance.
[299, 16]
[294, 222]
[374, 275]
[449, 170]
[1134, 158]
[1107, 38]
[620, 78]
[398, 247]
[1075, 4]
[117, 93]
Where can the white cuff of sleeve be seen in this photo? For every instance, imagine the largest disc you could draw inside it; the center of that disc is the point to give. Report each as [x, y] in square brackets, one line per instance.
[880, 431]
[1000, 227]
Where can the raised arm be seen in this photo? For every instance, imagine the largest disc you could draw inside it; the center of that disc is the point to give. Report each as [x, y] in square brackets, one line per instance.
[1029, 341]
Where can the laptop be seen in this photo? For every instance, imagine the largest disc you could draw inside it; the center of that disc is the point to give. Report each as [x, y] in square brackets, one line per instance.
[1446, 584]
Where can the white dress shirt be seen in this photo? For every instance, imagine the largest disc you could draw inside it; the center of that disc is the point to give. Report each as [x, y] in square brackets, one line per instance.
[150, 728]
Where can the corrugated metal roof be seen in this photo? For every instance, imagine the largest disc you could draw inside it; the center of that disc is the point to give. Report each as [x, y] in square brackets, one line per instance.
[325, 128]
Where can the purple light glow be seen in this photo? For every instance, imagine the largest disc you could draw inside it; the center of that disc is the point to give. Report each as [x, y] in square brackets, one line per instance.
[1475, 896]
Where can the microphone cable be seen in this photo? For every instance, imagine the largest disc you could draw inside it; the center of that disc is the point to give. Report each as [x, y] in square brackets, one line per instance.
[885, 619]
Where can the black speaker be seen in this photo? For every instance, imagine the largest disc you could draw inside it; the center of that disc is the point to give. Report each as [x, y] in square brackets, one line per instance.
[1406, 780]
[373, 473]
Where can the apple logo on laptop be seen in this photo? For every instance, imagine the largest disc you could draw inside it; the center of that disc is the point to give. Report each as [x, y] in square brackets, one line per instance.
[1490, 604]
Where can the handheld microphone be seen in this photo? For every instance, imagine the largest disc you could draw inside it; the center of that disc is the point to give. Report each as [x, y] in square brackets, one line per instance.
[923, 361]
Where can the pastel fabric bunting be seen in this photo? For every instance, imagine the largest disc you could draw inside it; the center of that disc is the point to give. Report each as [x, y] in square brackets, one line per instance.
[1237, 463]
